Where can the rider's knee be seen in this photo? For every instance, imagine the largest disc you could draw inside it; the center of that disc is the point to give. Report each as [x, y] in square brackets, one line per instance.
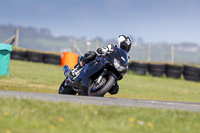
[89, 56]
[114, 89]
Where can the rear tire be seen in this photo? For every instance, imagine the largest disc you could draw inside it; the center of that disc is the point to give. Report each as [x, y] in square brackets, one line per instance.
[101, 92]
[51, 59]
[157, 70]
[18, 55]
[66, 89]
[34, 56]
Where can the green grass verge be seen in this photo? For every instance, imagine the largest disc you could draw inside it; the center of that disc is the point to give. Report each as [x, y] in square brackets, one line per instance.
[32, 77]
[44, 78]
[159, 88]
[32, 116]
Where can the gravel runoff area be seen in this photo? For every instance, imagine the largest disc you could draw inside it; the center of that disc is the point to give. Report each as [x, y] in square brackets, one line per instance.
[187, 106]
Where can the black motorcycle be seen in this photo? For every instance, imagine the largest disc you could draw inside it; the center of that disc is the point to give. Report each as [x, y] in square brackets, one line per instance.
[98, 76]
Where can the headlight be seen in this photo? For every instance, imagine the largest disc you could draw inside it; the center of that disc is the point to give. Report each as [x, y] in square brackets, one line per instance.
[116, 64]
[120, 68]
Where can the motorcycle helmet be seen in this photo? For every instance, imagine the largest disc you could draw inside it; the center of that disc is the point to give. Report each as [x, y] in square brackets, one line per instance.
[124, 43]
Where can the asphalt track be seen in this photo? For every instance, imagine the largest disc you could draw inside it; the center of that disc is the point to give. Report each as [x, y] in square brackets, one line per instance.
[186, 106]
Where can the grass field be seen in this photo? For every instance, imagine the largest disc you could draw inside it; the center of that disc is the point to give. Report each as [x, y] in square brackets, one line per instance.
[30, 116]
[33, 116]
[44, 78]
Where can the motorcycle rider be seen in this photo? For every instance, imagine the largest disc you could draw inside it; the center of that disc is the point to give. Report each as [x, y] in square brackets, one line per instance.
[124, 42]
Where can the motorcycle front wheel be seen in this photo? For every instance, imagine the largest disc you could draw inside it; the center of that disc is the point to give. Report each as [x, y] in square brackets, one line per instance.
[100, 89]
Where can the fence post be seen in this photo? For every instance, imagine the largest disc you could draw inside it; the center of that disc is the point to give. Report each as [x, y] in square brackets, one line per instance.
[172, 53]
[149, 53]
[88, 46]
[74, 44]
[16, 37]
[74, 47]
[97, 44]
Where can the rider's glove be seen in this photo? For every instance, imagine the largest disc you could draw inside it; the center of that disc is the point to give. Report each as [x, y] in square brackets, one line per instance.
[99, 51]
[106, 49]
[110, 48]
[129, 58]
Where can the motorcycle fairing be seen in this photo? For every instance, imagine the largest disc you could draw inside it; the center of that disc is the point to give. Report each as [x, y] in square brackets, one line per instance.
[88, 70]
[93, 67]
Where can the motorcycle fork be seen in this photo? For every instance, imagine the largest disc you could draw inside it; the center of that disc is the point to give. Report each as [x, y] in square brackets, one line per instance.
[101, 76]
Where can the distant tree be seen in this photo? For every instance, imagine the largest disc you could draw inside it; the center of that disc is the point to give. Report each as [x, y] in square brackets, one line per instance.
[140, 41]
[188, 44]
[45, 31]
[98, 38]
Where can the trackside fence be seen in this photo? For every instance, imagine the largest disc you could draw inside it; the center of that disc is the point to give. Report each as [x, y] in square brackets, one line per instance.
[189, 73]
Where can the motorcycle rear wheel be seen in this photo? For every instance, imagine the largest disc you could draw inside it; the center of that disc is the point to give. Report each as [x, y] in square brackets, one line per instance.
[110, 81]
[66, 89]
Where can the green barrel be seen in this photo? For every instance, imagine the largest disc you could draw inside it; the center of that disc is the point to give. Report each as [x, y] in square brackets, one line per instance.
[5, 50]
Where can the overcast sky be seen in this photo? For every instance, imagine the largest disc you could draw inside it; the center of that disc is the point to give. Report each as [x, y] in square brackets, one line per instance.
[173, 21]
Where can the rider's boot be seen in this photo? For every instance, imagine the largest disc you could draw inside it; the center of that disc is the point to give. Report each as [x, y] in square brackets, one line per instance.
[75, 70]
[89, 56]
[114, 89]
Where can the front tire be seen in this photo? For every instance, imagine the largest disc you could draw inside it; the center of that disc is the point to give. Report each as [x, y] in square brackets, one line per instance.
[66, 89]
[110, 81]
